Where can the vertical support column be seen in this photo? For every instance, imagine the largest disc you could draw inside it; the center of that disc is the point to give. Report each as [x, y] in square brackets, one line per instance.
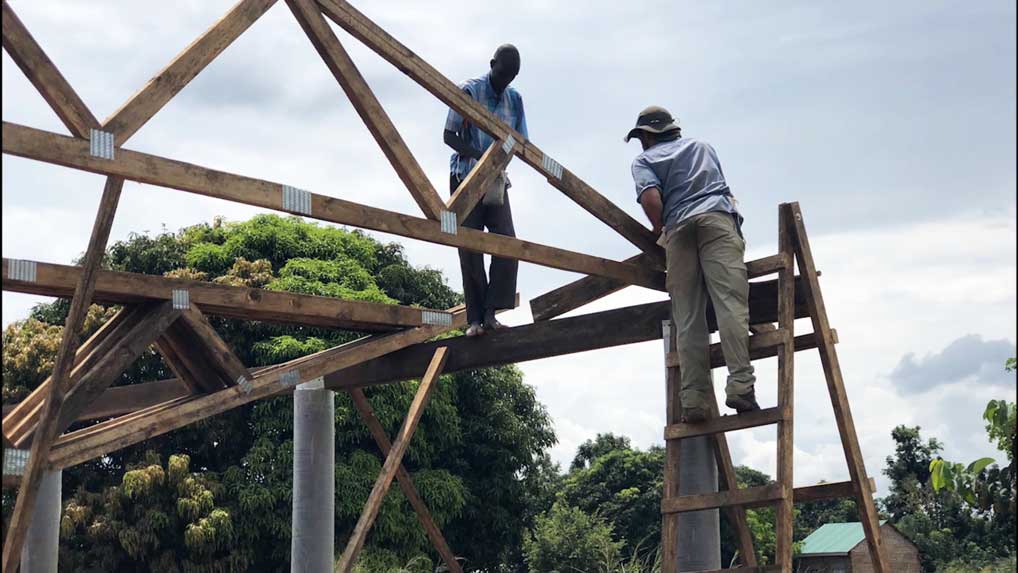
[690, 541]
[786, 393]
[314, 479]
[673, 415]
[699, 531]
[42, 542]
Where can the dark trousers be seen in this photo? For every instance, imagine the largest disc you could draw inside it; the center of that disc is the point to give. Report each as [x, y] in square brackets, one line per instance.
[481, 293]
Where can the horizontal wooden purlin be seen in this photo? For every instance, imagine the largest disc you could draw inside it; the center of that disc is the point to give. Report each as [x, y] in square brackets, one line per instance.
[145, 168]
[751, 496]
[106, 437]
[582, 333]
[223, 300]
[725, 424]
[825, 491]
[362, 28]
[588, 289]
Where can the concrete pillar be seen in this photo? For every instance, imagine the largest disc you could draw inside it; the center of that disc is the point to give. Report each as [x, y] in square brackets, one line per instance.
[699, 531]
[314, 479]
[39, 554]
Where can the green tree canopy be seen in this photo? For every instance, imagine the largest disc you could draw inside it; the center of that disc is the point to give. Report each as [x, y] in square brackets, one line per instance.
[475, 458]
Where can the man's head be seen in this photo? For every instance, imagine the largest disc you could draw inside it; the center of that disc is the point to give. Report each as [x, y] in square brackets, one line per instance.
[505, 65]
[654, 124]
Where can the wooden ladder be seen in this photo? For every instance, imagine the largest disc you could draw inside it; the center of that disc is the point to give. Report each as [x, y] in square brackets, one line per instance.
[768, 341]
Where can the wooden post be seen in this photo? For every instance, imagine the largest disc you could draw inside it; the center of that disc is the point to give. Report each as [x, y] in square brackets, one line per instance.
[836, 386]
[392, 463]
[786, 396]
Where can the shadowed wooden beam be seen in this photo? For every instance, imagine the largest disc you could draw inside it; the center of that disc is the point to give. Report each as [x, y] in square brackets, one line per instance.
[222, 356]
[69, 152]
[19, 423]
[406, 483]
[83, 445]
[45, 76]
[616, 327]
[113, 362]
[310, 18]
[362, 28]
[223, 300]
[588, 289]
[480, 178]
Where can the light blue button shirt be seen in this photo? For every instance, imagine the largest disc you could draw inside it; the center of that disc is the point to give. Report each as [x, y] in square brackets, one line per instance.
[507, 106]
[688, 174]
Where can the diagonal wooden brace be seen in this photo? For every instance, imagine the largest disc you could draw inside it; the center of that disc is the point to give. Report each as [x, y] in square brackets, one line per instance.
[479, 180]
[406, 483]
[309, 15]
[392, 463]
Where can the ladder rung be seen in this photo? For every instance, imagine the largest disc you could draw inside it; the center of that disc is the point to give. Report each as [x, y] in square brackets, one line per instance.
[751, 496]
[759, 345]
[767, 265]
[726, 424]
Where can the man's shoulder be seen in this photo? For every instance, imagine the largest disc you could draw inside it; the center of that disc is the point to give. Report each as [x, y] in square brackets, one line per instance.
[513, 93]
[472, 84]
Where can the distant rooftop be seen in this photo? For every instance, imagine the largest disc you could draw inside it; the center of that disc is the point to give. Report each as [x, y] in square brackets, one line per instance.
[834, 538]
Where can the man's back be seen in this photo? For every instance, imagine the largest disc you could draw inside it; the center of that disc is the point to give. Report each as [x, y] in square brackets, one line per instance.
[689, 176]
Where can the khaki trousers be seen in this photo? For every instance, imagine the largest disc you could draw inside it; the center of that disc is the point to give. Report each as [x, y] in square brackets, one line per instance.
[705, 258]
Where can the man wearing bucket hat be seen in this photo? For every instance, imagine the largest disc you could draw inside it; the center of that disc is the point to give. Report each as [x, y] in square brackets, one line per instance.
[682, 190]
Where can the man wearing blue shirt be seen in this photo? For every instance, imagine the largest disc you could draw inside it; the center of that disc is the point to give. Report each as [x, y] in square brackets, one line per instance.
[682, 190]
[487, 293]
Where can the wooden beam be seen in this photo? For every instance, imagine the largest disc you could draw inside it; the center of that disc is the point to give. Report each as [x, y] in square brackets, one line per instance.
[25, 413]
[479, 180]
[45, 76]
[121, 400]
[605, 329]
[751, 496]
[588, 289]
[104, 438]
[836, 386]
[362, 28]
[310, 18]
[223, 357]
[127, 120]
[113, 362]
[833, 490]
[406, 483]
[21, 427]
[785, 511]
[393, 462]
[223, 300]
[48, 427]
[720, 424]
[61, 150]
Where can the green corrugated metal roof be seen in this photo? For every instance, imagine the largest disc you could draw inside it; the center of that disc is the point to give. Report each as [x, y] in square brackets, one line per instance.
[834, 538]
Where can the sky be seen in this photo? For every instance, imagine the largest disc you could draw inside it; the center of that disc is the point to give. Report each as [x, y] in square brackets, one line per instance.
[892, 124]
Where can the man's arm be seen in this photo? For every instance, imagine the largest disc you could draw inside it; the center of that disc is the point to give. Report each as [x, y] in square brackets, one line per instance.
[453, 140]
[650, 200]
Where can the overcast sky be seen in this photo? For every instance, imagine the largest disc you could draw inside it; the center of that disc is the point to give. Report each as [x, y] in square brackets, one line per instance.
[893, 124]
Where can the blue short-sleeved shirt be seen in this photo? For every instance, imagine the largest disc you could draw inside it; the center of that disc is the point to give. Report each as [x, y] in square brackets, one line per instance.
[507, 106]
[688, 175]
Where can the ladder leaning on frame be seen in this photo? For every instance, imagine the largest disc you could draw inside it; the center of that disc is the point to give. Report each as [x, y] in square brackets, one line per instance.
[793, 247]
